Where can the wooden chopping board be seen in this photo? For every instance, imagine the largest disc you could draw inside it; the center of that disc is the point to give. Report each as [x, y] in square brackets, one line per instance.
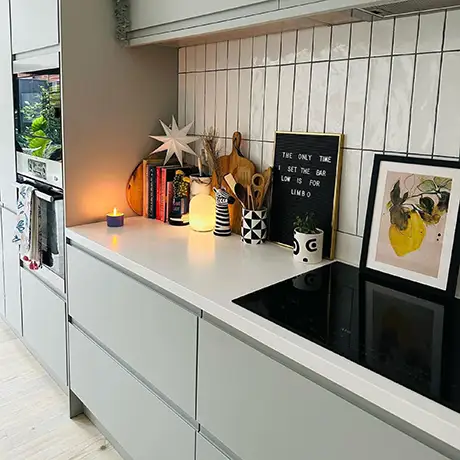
[135, 189]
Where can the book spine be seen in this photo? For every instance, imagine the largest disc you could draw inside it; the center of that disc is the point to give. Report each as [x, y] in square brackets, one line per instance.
[164, 173]
[152, 189]
[145, 188]
[169, 199]
[158, 182]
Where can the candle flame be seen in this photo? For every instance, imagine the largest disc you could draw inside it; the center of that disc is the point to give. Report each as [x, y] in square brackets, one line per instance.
[114, 211]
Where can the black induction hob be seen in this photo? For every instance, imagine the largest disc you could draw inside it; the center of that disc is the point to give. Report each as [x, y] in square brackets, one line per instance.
[410, 340]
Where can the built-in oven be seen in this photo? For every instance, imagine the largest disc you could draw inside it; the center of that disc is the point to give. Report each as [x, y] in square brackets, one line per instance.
[38, 129]
[37, 102]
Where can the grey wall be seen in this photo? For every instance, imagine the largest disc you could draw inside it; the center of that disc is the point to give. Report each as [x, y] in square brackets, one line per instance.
[112, 99]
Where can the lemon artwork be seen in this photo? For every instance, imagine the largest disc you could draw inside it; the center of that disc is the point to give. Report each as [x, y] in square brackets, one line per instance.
[421, 205]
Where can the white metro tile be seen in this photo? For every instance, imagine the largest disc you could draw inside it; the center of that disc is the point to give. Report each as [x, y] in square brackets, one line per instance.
[191, 55]
[288, 47]
[200, 58]
[382, 37]
[318, 97]
[285, 98]
[301, 94]
[355, 102]
[182, 59]
[228, 146]
[256, 154]
[190, 99]
[430, 33]
[273, 49]
[402, 76]
[360, 39]
[271, 101]
[448, 124]
[349, 191]
[376, 106]
[233, 54]
[181, 99]
[367, 162]
[259, 47]
[257, 103]
[232, 102]
[210, 95]
[405, 35]
[452, 39]
[268, 154]
[340, 41]
[211, 52]
[321, 43]
[222, 55]
[246, 52]
[336, 97]
[348, 248]
[221, 103]
[424, 103]
[244, 105]
[304, 45]
[199, 102]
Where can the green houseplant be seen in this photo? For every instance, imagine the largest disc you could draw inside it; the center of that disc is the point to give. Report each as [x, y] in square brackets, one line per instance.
[308, 239]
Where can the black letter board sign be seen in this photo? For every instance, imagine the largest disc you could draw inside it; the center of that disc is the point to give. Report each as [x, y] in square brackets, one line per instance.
[306, 178]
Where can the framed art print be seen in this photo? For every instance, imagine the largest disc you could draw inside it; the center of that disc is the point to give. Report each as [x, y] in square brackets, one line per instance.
[411, 232]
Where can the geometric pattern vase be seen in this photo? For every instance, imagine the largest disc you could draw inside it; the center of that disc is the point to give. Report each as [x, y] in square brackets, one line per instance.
[254, 226]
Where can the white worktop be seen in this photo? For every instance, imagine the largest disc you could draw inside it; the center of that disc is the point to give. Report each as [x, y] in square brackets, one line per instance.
[209, 272]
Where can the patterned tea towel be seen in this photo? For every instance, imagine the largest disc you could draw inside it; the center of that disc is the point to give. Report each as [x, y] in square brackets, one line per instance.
[26, 233]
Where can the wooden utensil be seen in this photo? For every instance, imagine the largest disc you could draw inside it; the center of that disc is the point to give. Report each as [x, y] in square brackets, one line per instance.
[250, 198]
[257, 189]
[241, 194]
[268, 179]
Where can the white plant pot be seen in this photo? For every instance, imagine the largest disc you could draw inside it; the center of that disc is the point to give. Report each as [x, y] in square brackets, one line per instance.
[308, 248]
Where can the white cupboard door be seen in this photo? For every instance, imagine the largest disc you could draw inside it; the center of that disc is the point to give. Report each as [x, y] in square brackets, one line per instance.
[7, 148]
[2, 284]
[143, 426]
[148, 331]
[260, 409]
[13, 308]
[206, 451]
[44, 324]
[35, 24]
[150, 13]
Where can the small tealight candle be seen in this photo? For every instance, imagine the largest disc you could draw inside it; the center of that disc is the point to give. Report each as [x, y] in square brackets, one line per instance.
[115, 218]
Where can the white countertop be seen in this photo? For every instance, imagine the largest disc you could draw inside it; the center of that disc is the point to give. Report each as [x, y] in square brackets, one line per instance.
[209, 272]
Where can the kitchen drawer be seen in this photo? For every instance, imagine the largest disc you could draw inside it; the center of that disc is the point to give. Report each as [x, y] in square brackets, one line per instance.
[261, 410]
[152, 334]
[143, 426]
[206, 451]
[44, 324]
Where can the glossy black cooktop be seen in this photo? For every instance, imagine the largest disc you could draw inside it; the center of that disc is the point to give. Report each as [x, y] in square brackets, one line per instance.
[410, 340]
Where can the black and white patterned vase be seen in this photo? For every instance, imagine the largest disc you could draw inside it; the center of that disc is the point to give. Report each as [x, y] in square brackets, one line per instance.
[254, 226]
[308, 248]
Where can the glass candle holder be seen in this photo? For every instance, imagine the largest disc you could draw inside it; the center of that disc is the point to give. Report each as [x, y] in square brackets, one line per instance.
[202, 205]
[115, 218]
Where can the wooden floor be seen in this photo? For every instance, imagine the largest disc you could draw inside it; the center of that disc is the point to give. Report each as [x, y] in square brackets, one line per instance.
[34, 421]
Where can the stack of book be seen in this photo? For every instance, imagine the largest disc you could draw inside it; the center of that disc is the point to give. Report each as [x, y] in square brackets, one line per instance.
[158, 190]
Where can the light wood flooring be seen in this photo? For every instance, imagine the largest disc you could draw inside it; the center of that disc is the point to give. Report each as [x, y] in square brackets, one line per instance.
[34, 420]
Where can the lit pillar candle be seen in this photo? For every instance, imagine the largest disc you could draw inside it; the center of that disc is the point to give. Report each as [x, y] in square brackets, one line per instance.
[115, 218]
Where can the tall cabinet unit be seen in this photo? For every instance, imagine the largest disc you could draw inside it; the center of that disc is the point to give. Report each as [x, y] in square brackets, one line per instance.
[7, 146]
[34, 24]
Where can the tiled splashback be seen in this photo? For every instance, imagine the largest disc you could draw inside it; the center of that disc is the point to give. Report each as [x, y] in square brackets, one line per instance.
[390, 86]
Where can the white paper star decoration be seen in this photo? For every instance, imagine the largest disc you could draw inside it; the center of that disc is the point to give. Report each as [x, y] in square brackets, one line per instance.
[176, 141]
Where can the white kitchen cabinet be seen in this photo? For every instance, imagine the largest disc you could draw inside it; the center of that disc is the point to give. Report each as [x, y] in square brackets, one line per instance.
[35, 24]
[206, 451]
[7, 148]
[13, 308]
[153, 13]
[262, 410]
[143, 426]
[2, 283]
[44, 324]
[152, 334]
